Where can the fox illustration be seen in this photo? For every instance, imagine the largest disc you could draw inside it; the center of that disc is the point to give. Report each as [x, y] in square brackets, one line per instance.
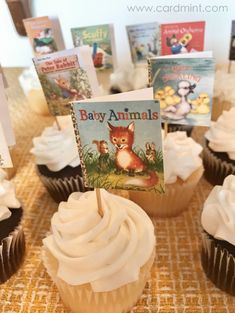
[126, 159]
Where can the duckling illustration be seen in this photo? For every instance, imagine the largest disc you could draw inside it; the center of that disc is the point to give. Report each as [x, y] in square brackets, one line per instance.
[201, 105]
[166, 97]
[181, 109]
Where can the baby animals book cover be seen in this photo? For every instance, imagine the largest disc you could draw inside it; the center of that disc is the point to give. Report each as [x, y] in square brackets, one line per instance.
[143, 41]
[182, 37]
[120, 144]
[184, 88]
[63, 80]
[41, 35]
[99, 38]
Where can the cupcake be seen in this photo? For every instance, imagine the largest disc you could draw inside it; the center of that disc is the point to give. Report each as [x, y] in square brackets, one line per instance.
[12, 242]
[224, 94]
[178, 127]
[57, 162]
[33, 91]
[183, 170]
[218, 236]
[99, 264]
[219, 151]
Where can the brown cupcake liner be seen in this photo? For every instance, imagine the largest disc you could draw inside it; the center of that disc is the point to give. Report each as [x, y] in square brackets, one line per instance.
[173, 202]
[82, 299]
[216, 170]
[12, 249]
[177, 127]
[61, 188]
[218, 264]
[120, 193]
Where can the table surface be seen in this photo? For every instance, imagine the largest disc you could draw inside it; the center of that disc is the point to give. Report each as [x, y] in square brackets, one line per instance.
[177, 283]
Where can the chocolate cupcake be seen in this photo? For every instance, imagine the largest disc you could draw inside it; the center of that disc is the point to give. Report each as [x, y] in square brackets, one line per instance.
[12, 241]
[177, 127]
[218, 236]
[58, 163]
[219, 150]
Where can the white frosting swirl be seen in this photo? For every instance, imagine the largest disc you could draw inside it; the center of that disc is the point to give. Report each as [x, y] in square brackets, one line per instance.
[29, 80]
[7, 197]
[181, 156]
[106, 252]
[218, 215]
[56, 148]
[221, 135]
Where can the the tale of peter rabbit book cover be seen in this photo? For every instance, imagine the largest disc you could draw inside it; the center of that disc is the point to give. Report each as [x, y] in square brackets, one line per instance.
[66, 76]
[120, 144]
[184, 88]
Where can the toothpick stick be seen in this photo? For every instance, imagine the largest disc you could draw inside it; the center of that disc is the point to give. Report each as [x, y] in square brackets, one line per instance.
[165, 129]
[229, 66]
[98, 198]
[57, 123]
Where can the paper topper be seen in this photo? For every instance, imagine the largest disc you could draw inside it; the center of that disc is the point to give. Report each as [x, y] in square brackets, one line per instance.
[66, 76]
[120, 144]
[184, 87]
[5, 115]
[5, 158]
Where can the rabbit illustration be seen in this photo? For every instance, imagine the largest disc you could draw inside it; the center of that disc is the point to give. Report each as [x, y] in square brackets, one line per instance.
[151, 152]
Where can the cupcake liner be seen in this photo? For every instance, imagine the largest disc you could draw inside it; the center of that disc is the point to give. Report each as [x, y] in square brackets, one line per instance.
[218, 107]
[37, 102]
[177, 127]
[218, 264]
[174, 201]
[215, 169]
[82, 299]
[61, 188]
[121, 193]
[12, 250]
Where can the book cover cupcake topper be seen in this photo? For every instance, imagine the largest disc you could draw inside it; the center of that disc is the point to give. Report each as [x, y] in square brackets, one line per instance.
[184, 87]
[40, 32]
[144, 41]
[66, 76]
[5, 158]
[120, 144]
[180, 38]
[100, 38]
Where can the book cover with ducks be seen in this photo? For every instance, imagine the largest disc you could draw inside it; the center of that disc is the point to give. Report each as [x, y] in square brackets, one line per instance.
[120, 144]
[66, 76]
[100, 39]
[180, 38]
[184, 88]
[144, 41]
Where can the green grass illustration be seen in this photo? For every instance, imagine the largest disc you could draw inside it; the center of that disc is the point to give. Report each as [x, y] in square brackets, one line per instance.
[107, 178]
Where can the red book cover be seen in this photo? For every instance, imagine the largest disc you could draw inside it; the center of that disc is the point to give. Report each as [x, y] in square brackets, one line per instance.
[182, 37]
